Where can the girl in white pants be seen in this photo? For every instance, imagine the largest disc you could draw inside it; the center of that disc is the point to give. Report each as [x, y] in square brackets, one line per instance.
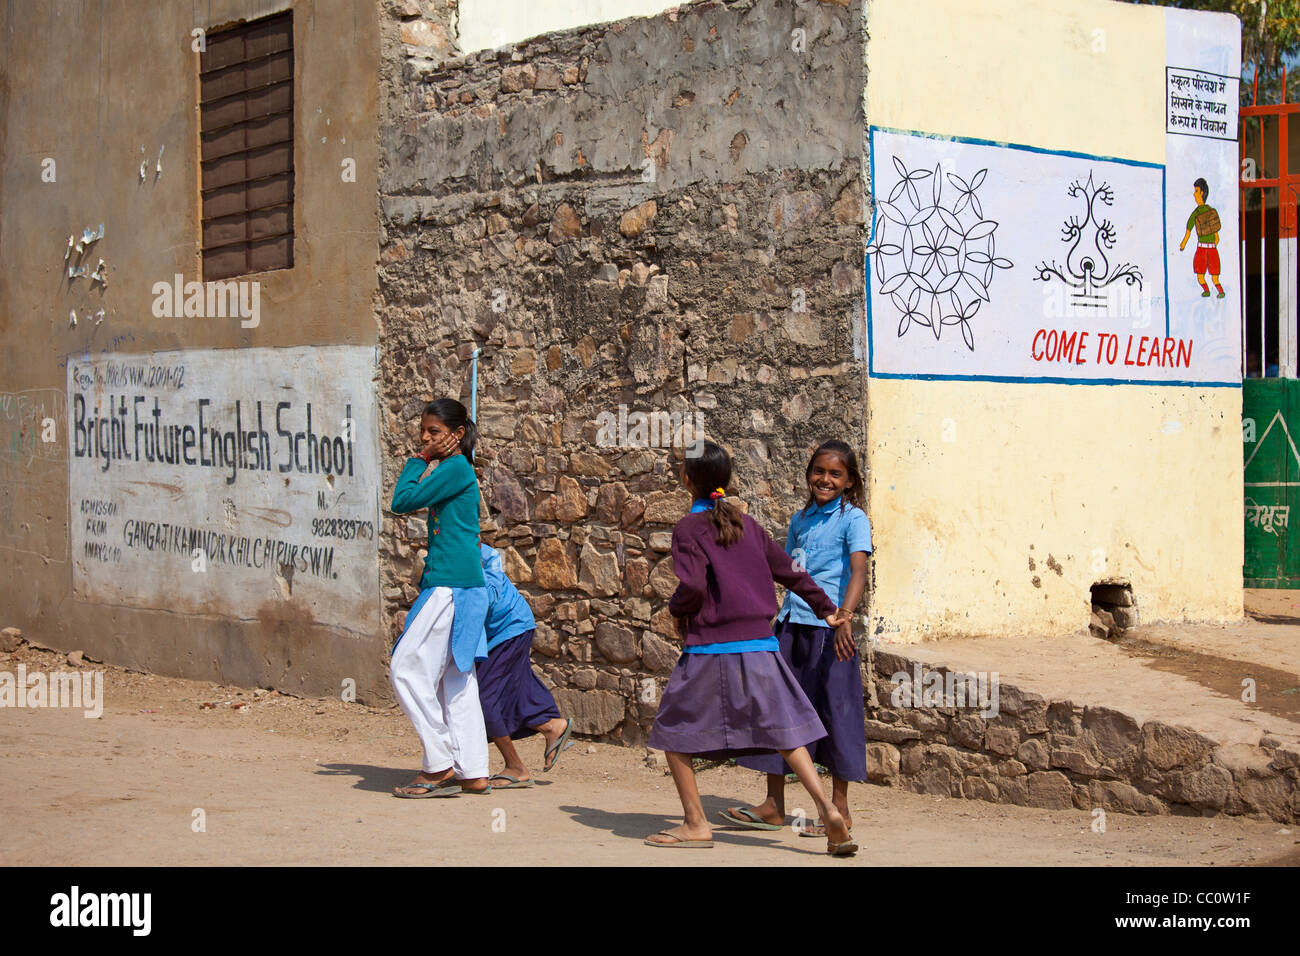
[433, 663]
[439, 699]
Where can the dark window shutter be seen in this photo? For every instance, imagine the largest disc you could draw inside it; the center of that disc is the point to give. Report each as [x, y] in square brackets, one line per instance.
[246, 148]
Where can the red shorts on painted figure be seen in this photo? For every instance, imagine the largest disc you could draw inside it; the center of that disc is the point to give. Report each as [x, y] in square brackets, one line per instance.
[1206, 261]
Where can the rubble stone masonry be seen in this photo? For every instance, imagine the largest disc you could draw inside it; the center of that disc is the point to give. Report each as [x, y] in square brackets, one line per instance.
[1057, 754]
[662, 214]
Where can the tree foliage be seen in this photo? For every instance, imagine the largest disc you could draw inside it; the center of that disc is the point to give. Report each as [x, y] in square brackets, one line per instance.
[1270, 39]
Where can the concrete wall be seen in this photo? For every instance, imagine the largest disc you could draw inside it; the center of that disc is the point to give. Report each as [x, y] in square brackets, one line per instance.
[87, 85]
[663, 214]
[998, 503]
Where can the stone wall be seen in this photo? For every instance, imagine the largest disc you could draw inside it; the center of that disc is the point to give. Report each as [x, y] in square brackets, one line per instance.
[663, 214]
[1055, 754]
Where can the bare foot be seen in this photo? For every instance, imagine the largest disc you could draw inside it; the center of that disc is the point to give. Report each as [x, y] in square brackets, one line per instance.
[836, 831]
[475, 784]
[551, 730]
[519, 773]
[818, 830]
[682, 833]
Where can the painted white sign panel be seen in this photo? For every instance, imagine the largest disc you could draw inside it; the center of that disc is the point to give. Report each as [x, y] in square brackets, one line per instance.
[1008, 262]
[1203, 55]
[998, 261]
[235, 482]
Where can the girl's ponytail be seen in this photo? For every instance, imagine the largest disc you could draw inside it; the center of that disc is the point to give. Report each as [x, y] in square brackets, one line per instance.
[728, 522]
[711, 470]
[470, 440]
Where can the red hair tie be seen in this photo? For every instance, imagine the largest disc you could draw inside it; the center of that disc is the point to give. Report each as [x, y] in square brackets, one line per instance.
[718, 493]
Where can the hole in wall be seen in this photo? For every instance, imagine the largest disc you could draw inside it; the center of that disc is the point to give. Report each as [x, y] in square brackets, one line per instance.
[1114, 609]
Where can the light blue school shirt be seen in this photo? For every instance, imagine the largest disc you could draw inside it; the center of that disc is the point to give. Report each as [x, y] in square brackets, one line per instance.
[827, 537]
[508, 613]
[468, 636]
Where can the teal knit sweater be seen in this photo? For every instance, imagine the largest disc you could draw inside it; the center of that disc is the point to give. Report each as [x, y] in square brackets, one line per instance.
[451, 495]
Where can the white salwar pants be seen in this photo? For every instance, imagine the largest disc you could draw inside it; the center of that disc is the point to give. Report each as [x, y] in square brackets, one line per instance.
[440, 700]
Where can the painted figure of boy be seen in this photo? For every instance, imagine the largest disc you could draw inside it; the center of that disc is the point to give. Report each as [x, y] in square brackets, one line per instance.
[1205, 220]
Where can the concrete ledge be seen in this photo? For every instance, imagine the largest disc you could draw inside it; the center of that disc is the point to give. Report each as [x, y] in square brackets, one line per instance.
[1054, 753]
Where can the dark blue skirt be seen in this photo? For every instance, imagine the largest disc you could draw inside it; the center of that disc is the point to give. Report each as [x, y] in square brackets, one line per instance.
[726, 705]
[835, 689]
[513, 700]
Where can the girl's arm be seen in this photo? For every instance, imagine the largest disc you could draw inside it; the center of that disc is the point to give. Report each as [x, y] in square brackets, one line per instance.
[800, 582]
[844, 646]
[446, 481]
[691, 567]
[857, 539]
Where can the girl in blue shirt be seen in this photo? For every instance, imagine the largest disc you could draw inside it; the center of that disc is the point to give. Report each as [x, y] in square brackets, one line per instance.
[831, 537]
[515, 703]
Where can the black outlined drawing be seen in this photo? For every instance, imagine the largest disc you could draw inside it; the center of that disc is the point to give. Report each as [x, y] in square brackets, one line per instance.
[934, 252]
[1087, 270]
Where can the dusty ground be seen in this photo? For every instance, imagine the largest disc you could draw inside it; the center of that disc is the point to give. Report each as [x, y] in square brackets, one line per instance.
[291, 781]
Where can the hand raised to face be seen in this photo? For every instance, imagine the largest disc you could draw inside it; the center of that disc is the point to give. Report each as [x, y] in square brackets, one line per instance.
[439, 445]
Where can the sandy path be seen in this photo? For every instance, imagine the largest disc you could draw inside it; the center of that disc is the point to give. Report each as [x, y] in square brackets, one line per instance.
[291, 781]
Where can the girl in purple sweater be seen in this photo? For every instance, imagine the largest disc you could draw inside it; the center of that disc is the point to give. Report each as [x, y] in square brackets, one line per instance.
[731, 693]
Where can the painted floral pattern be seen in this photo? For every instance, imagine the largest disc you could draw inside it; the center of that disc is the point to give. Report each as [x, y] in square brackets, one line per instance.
[933, 251]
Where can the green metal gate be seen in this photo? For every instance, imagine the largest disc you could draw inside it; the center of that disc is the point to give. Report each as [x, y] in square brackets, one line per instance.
[1270, 408]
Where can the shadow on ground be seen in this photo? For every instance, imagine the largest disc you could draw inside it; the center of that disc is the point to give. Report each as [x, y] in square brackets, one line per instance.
[638, 826]
[381, 779]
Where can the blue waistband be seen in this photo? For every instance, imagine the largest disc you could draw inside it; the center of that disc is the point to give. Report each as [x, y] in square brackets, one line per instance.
[736, 647]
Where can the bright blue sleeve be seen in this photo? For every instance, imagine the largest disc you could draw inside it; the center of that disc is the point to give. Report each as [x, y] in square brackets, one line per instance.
[857, 534]
[493, 591]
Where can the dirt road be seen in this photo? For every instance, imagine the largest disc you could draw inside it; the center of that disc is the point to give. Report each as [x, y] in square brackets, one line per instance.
[284, 780]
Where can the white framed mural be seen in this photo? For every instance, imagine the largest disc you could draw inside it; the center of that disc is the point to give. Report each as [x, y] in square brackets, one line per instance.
[1009, 262]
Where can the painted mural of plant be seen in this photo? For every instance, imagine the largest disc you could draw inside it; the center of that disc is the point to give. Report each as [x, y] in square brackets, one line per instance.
[933, 251]
[1087, 270]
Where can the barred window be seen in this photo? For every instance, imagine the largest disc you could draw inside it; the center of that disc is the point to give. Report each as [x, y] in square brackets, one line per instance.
[246, 158]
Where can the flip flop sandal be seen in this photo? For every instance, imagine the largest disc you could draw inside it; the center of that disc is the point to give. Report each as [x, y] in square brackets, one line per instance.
[751, 821]
[514, 782]
[557, 748]
[446, 788]
[815, 829]
[477, 793]
[678, 842]
[847, 848]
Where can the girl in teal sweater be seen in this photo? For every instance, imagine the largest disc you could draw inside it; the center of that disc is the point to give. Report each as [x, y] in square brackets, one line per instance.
[433, 661]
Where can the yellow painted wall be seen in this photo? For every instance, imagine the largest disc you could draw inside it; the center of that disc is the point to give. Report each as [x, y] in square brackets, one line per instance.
[1135, 483]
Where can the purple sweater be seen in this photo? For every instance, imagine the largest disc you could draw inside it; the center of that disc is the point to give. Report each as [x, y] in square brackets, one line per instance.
[728, 593]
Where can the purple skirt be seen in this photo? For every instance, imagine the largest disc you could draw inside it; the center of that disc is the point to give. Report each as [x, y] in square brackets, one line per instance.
[514, 701]
[835, 689]
[726, 705]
